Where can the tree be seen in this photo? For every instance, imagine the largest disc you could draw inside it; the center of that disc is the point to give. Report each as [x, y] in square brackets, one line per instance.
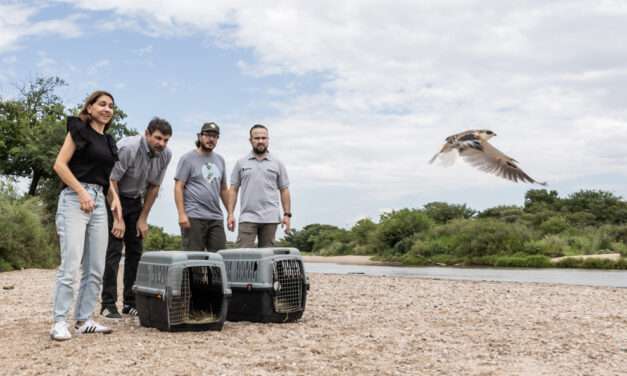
[605, 207]
[398, 225]
[442, 212]
[312, 237]
[32, 129]
[363, 231]
[158, 239]
[537, 199]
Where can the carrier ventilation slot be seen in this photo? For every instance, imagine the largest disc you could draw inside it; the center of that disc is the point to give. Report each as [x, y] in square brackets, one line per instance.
[241, 270]
[152, 275]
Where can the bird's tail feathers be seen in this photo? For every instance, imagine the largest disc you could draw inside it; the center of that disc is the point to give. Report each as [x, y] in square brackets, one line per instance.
[434, 157]
[446, 158]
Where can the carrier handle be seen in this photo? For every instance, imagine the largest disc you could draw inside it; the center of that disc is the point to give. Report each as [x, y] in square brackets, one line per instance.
[198, 257]
[281, 251]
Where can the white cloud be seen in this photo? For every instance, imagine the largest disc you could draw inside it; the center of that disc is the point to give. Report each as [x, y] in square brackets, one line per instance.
[16, 23]
[396, 78]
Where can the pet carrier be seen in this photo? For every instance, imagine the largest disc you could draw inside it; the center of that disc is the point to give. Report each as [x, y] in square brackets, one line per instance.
[268, 284]
[177, 290]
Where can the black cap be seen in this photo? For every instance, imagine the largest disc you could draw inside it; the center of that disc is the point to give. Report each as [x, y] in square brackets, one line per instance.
[210, 127]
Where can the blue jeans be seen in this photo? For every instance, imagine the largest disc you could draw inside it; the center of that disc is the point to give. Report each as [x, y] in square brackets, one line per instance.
[83, 239]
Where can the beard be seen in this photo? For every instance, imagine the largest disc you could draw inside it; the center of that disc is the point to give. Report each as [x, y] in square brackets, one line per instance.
[155, 150]
[207, 147]
[261, 149]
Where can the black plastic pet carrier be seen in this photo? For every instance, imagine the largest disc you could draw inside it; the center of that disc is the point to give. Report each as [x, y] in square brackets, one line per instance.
[268, 284]
[177, 290]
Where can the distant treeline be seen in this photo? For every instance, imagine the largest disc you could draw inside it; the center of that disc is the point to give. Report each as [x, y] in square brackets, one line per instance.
[587, 222]
[547, 226]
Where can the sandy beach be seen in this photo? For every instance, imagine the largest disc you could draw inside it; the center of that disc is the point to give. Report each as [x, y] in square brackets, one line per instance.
[353, 325]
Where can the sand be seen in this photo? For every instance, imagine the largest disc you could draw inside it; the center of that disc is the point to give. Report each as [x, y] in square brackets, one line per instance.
[353, 325]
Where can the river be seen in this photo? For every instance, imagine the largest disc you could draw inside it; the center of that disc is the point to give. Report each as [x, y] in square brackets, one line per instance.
[606, 278]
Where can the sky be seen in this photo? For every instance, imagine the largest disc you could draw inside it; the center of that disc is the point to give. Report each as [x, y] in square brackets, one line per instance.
[357, 95]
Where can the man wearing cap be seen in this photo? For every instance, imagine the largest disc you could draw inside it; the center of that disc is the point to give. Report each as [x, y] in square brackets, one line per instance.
[263, 181]
[136, 176]
[199, 187]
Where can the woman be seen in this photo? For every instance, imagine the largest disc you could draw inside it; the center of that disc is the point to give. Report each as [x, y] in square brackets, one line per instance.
[84, 164]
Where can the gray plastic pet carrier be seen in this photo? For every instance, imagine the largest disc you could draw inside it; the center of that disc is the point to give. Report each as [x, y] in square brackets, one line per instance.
[177, 290]
[268, 284]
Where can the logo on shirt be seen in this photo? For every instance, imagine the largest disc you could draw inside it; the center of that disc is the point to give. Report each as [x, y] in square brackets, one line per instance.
[210, 172]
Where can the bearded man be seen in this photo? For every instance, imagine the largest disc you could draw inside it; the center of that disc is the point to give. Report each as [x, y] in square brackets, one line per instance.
[263, 181]
[199, 187]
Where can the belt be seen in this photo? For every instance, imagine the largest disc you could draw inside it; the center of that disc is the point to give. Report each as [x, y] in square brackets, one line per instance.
[125, 197]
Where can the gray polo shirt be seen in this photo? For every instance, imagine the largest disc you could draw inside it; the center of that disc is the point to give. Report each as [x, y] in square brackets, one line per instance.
[259, 182]
[137, 166]
[203, 175]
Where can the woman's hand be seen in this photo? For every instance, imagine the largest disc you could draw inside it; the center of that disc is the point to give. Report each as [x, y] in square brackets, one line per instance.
[87, 202]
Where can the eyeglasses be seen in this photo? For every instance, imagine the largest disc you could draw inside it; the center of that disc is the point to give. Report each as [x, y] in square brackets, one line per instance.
[210, 134]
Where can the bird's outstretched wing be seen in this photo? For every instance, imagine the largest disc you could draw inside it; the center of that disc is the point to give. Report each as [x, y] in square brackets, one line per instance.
[490, 159]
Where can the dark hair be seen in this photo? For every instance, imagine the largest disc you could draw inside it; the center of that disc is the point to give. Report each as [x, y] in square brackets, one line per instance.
[161, 125]
[257, 126]
[91, 99]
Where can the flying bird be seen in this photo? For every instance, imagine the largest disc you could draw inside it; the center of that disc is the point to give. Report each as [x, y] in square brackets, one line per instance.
[474, 148]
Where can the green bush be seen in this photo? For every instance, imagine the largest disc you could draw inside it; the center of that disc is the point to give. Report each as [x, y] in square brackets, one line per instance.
[442, 212]
[554, 225]
[509, 214]
[473, 238]
[25, 242]
[334, 248]
[592, 263]
[551, 246]
[396, 226]
[157, 239]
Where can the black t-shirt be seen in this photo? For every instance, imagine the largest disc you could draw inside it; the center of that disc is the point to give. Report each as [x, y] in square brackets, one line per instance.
[95, 153]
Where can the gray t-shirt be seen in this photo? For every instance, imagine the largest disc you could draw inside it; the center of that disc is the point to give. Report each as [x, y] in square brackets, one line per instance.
[137, 167]
[203, 176]
[259, 182]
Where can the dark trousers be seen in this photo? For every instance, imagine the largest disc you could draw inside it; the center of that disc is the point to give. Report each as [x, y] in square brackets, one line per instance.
[264, 232]
[204, 234]
[133, 247]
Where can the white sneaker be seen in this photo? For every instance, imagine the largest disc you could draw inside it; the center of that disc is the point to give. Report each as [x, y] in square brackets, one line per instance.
[60, 331]
[90, 326]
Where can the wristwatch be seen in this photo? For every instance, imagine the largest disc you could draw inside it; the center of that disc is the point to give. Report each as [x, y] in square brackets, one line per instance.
[287, 214]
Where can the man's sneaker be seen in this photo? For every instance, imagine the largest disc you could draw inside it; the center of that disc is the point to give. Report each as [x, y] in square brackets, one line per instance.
[110, 312]
[129, 310]
[90, 326]
[60, 331]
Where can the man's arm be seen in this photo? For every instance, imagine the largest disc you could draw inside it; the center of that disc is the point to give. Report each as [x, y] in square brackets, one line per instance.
[230, 206]
[142, 223]
[115, 203]
[179, 187]
[286, 202]
[225, 195]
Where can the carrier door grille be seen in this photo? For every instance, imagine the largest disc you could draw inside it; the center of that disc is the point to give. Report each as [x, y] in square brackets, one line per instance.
[289, 275]
[179, 306]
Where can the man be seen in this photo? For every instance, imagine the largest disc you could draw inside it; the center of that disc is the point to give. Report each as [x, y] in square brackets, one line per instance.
[200, 184]
[136, 176]
[263, 181]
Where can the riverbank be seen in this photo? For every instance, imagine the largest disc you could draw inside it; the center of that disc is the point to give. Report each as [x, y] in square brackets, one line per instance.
[353, 324]
[348, 260]
[599, 261]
